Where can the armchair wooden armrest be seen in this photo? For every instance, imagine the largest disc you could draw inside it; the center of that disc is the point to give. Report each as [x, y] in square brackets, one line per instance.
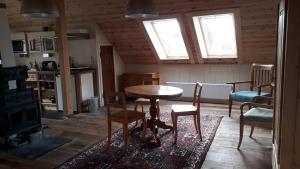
[235, 83]
[256, 98]
[243, 105]
[268, 100]
[269, 85]
[253, 104]
[249, 81]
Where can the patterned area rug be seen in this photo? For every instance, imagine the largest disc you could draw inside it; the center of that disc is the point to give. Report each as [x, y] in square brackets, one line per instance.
[189, 152]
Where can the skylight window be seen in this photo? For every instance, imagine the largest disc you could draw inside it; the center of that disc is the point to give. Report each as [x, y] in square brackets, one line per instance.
[216, 35]
[167, 38]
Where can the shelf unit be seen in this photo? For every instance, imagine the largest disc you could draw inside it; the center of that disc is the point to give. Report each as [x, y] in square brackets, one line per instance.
[41, 42]
[44, 85]
[48, 83]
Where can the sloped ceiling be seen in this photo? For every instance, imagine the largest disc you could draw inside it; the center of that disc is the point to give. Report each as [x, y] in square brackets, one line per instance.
[258, 25]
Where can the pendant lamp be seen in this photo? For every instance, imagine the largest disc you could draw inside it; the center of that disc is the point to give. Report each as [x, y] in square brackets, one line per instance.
[39, 9]
[141, 9]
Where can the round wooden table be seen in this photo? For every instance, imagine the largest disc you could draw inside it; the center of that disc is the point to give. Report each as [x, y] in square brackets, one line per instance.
[154, 92]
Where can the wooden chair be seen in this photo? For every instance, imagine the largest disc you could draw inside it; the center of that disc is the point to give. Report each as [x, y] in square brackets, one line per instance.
[259, 115]
[261, 77]
[189, 110]
[143, 101]
[120, 114]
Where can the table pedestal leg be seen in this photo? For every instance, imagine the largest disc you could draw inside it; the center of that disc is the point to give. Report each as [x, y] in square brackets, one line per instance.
[153, 123]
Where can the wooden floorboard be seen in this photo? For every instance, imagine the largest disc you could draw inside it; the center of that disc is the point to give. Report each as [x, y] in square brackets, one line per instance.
[87, 129]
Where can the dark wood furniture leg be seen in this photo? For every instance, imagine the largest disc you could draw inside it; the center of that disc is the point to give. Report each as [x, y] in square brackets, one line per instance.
[151, 123]
[230, 106]
[154, 123]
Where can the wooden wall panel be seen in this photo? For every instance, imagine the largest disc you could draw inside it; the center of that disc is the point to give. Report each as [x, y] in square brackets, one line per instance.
[258, 24]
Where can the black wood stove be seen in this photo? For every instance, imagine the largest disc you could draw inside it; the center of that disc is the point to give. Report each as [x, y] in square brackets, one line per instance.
[19, 113]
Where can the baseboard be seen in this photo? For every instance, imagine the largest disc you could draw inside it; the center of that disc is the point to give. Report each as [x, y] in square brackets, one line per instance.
[275, 164]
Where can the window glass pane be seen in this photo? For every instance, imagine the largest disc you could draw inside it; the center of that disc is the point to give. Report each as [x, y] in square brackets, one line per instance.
[216, 35]
[166, 38]
[155, 41]
[170, 36]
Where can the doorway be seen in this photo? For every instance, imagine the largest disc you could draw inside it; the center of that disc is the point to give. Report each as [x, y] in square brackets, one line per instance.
[108, 72]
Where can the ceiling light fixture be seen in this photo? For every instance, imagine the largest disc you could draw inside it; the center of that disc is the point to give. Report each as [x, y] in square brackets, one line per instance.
[39, 9]
[2, 5]
[141, 9]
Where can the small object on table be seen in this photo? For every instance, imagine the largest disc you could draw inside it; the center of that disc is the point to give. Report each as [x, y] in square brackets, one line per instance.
[52, 98]
[36, 65]
[49, 66]
[154, 92]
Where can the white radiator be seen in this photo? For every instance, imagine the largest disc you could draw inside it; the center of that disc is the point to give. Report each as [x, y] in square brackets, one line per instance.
[209, 90]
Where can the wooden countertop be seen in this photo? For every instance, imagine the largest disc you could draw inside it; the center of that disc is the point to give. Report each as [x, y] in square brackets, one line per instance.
[73, 71]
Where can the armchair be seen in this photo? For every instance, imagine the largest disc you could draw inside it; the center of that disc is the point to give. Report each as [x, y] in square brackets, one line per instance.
[261, 77]
[259, 115]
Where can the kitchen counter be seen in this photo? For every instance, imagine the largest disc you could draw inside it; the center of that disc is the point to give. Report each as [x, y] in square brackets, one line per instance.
[83, 84]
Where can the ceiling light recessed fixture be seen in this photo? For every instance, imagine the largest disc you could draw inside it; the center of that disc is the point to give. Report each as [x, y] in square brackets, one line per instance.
[39, 9]
[141, 9]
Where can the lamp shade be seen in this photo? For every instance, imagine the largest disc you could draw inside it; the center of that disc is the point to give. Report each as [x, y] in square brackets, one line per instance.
[39, 9]
[141, 9]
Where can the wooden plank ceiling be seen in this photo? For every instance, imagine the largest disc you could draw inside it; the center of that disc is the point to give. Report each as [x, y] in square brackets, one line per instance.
[258, 24]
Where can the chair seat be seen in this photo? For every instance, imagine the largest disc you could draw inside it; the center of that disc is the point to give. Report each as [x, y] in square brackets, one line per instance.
[183, 108]
[246, 96]
[132, 115]
[259, 115]
[144, 100]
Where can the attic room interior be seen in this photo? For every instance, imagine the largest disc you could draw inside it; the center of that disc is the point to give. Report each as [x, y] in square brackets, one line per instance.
[146, 84]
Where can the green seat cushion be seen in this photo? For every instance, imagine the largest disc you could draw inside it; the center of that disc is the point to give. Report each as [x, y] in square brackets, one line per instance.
[259, 115]
[246, 96]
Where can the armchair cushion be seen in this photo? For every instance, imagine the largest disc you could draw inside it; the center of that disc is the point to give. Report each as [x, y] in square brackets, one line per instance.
[246, 96]
[259, 115]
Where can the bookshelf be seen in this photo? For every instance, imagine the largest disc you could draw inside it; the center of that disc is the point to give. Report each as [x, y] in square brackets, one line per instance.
[45, 89]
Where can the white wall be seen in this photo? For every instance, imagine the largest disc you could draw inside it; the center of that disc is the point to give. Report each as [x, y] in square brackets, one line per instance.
[119, 67]
[205, 73]
[6, 49]
[83, 52]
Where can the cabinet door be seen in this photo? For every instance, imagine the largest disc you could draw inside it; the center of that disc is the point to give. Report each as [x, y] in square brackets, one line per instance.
[35, 45]
[48, 44]
[41, 42]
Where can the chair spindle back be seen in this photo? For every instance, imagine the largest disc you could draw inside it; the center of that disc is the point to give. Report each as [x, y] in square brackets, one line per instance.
[261, 74]
[116, 100]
